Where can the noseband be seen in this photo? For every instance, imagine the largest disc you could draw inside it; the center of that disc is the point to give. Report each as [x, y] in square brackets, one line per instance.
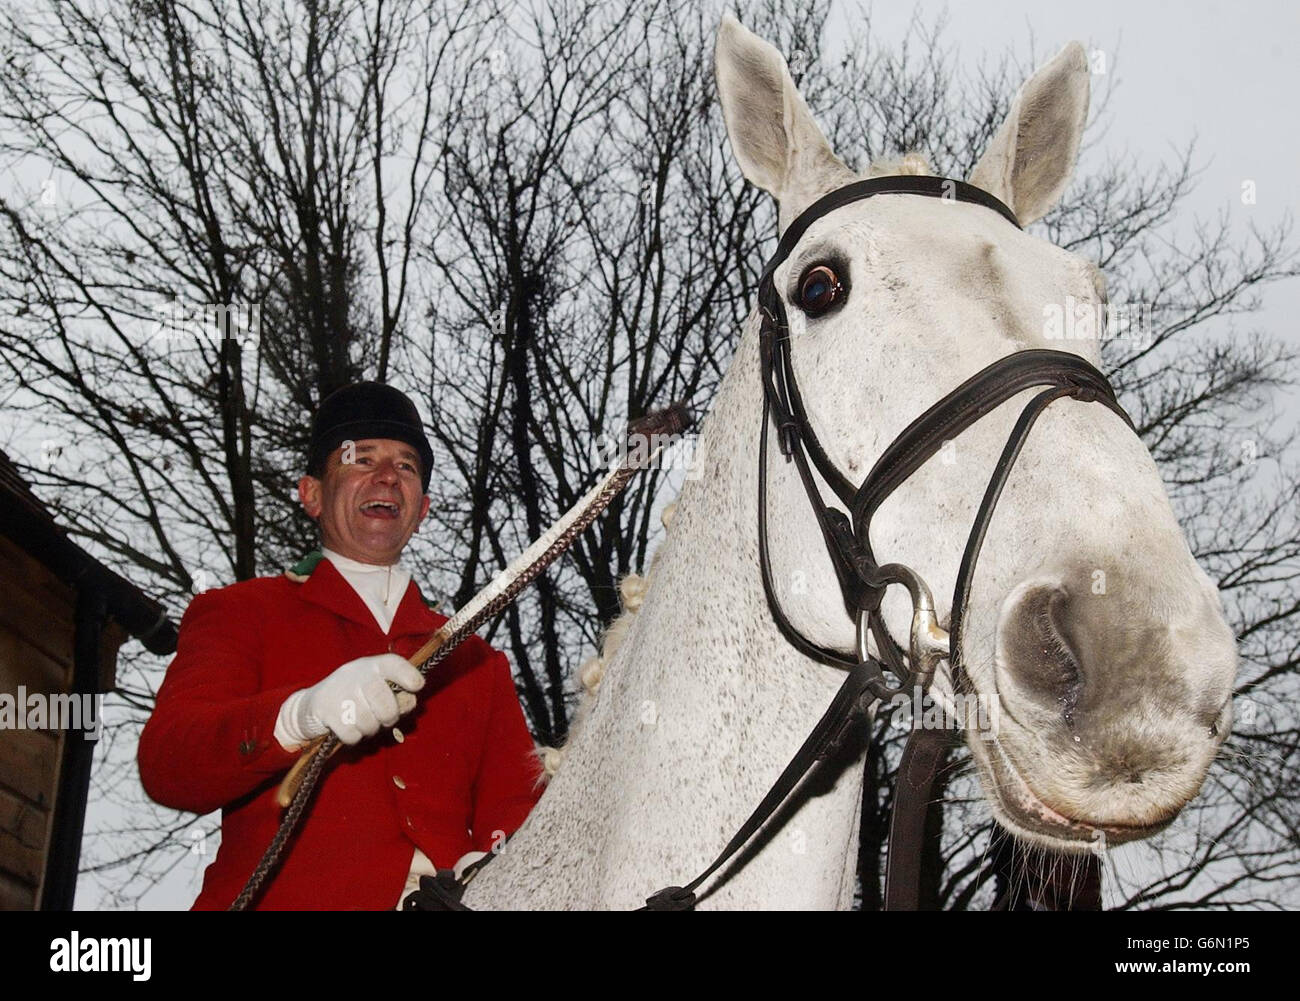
[863, 581]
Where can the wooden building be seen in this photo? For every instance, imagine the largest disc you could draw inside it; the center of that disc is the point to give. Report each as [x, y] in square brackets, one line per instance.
[63, 616]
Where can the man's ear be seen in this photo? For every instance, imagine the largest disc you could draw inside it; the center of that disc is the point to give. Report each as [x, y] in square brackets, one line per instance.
[425, 503]
[309, 496]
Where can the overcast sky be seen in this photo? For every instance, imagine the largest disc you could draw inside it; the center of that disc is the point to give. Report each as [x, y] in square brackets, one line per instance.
[1225, 73]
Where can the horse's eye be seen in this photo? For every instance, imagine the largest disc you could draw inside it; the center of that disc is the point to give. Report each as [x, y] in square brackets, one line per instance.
[819, 289]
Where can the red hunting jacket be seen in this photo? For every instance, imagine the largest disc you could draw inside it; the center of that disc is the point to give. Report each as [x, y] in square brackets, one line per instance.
[462, 777]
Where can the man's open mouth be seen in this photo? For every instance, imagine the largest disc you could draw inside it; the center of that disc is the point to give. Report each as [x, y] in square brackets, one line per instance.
[381, 509]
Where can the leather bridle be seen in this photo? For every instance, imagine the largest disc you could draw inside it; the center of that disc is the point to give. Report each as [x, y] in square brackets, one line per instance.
[863, 580]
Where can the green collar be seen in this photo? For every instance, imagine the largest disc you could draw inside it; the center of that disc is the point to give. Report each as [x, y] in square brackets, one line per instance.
[306, 566]
[303, 569]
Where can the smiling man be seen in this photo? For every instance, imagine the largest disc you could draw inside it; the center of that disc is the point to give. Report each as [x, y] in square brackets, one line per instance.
[265, 666]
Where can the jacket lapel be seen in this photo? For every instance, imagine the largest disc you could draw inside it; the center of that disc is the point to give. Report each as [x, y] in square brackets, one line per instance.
[327, 588]
[413, 617]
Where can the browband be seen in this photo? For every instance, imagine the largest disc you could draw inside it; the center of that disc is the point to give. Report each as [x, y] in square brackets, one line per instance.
[944, 188]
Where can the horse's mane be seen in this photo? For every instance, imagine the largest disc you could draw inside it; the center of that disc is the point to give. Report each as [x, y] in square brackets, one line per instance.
[908, 163]
[632, 590]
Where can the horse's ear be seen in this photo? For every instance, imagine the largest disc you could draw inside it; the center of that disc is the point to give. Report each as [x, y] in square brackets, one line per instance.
[777, 143]
[1029, 161]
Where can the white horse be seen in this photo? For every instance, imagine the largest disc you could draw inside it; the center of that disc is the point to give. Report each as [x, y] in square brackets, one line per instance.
[1090, 624]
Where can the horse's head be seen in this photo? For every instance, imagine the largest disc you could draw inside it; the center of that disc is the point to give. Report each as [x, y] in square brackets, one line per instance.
[1099, 645]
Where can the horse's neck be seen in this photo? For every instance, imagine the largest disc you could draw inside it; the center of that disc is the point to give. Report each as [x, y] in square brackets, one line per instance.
[699, 710]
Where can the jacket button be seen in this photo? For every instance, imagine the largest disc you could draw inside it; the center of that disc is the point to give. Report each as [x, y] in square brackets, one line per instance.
[410, 823]
[397, 781]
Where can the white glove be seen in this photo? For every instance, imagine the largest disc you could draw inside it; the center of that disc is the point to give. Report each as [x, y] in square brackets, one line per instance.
[465, 861]
[354, 701]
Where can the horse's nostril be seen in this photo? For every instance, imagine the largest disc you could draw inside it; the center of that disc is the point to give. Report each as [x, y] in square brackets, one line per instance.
[1037, 649]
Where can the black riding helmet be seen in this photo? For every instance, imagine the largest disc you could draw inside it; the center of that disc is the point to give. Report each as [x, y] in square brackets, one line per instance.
[367, 410]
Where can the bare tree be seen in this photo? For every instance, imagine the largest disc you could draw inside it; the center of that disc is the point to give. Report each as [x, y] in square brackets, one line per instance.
[594, 265]
[213, 227]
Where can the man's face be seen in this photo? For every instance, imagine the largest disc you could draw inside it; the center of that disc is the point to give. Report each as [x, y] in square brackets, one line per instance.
[369, 501]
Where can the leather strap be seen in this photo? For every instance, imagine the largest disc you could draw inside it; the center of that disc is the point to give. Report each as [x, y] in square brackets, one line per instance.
[974, 399]
[923, 758]
[943, 188]
[850, 702]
